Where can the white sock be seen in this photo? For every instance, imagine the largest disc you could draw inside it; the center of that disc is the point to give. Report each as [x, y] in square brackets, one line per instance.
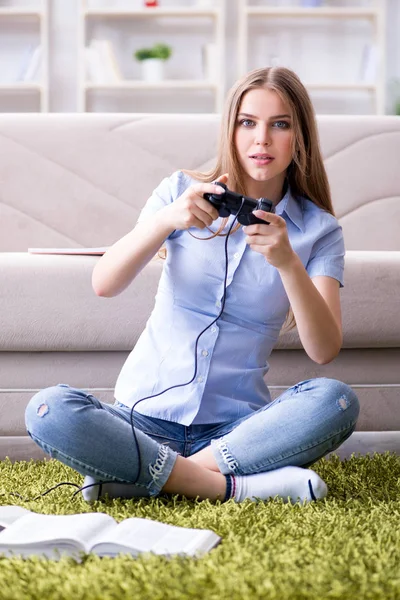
[112, 488]
[290, 483]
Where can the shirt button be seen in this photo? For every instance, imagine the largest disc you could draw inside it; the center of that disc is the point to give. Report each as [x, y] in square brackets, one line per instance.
[213, 329]
[218, 304]
[204, 353]
[236, 255]
[200, 378]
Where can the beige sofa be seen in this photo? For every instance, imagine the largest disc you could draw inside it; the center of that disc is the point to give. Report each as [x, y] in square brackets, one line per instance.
[80, 180]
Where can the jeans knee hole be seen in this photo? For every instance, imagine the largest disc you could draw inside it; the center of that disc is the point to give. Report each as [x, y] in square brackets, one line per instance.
[42, 410]
[343, 402]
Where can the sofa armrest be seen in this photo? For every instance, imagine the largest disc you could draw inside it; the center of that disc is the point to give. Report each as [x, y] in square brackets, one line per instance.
[47, 303]
[370, 302]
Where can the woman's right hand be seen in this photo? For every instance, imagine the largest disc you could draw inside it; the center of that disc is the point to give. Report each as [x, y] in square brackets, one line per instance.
[191, 209]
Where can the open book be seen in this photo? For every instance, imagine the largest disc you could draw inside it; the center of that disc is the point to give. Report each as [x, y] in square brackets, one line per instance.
[24, 533]
[83, 251]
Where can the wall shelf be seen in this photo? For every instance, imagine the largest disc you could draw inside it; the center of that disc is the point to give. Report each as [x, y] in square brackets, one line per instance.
[323, 12]
[41, 16]
[143, 85]
[375, 14]
[111, 15]
[18, 11]
[22, 86]
[151, 13]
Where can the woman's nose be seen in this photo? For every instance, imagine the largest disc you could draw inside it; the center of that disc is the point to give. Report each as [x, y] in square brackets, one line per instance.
[262, 136]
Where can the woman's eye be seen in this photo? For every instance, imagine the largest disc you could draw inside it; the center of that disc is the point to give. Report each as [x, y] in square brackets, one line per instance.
[281, 124]
[247, 122]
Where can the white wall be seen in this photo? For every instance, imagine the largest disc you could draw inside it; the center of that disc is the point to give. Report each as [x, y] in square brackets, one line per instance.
[312, 50]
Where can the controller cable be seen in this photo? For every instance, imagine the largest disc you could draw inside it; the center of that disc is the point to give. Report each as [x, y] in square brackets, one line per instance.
[195, 346]
[100, 483]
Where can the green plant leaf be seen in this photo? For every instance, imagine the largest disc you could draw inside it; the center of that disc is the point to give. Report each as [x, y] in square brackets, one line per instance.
[161, 51]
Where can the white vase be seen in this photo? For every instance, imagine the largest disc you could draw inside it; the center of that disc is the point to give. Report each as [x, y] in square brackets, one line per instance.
[153, 69]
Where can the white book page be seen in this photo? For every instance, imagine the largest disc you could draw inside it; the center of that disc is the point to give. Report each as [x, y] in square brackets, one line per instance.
[40, 531]
[143, 535]
[136, 534]
[202, 541]
[9, 514]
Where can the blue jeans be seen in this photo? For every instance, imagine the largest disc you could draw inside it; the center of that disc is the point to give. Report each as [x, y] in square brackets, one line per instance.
[301, 426]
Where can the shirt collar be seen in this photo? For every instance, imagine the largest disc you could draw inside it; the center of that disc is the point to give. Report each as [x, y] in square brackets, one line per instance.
[293, 208]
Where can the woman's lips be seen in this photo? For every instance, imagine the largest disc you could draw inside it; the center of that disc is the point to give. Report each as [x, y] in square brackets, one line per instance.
[261, 160]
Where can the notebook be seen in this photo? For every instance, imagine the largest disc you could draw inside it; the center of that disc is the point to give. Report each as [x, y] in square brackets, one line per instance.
[25, 533]
[78, 251]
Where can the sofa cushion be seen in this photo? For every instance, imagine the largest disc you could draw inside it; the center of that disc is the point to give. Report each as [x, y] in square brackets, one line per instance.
[81, 179]
[370, 301]
[47, 303]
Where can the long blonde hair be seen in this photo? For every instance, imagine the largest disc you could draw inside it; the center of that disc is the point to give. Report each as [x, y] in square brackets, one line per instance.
[306, 175]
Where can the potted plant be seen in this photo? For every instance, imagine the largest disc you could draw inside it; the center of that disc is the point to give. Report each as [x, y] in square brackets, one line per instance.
[152, 60]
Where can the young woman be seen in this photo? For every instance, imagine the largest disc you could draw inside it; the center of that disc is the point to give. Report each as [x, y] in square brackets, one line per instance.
[193, 415]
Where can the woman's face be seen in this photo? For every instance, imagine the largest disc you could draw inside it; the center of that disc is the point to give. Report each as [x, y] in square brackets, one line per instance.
[263, 139]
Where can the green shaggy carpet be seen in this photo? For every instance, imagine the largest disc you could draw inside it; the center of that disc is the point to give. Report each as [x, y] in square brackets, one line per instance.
[346, 546]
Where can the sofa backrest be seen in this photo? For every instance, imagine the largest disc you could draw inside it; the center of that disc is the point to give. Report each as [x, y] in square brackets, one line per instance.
[71, 180]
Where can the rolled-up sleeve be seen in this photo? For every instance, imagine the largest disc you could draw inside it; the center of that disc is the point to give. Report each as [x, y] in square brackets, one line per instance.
[165, 193]
[327, 256]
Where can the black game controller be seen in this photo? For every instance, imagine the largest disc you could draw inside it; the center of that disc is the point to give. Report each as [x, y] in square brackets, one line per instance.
[231, 203]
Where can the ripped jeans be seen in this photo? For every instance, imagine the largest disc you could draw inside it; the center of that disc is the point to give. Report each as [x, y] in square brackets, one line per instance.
[302, 425]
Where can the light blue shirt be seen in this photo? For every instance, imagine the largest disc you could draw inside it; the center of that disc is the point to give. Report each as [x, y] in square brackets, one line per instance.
[232, 354]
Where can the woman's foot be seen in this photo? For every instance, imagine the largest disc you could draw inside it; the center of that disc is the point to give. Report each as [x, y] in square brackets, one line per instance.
[289, 483]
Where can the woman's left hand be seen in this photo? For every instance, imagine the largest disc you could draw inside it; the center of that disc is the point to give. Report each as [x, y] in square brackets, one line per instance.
[270, 240]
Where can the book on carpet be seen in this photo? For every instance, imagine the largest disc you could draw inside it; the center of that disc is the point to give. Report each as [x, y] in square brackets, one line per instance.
[25, 533]
[78, 251]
